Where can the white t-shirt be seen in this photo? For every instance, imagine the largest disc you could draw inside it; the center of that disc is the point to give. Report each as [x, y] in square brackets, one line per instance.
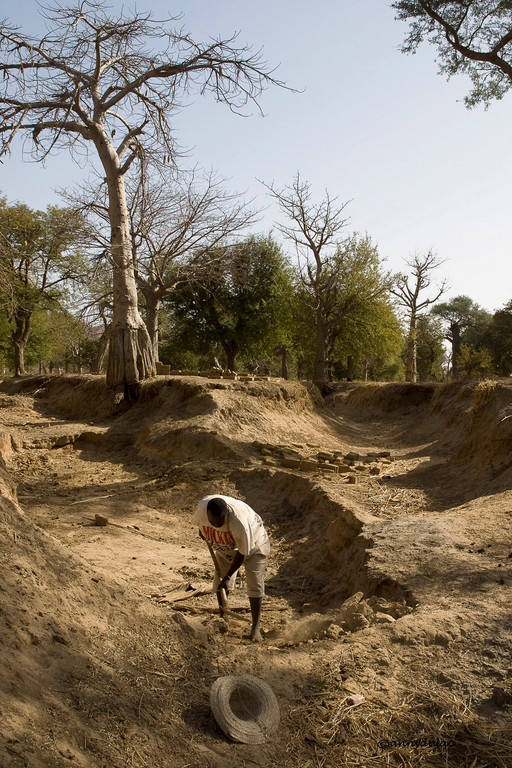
[242, 530]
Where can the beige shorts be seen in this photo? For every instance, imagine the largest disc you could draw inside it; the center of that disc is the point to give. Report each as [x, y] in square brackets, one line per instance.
[254, 565]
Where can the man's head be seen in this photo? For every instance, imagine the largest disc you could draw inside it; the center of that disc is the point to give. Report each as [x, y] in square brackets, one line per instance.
[217, 511]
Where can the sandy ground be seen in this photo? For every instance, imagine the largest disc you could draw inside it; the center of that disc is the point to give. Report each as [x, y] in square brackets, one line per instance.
[389, 581]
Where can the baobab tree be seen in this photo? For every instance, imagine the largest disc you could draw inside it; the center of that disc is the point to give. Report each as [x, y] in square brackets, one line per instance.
[460, 315]
[175, 219]
[409, 289]
[313, 229]
[93, 80]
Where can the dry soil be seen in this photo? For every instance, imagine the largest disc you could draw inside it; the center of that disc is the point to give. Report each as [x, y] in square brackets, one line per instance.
[389, 576]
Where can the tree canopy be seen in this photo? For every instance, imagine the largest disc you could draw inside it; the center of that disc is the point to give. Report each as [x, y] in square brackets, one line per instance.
[241, 305]
[39, 255]
[472, 37]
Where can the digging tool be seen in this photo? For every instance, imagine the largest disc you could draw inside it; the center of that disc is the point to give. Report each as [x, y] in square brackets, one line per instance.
[176, 598]
[198, 609]
[103, 521]
[222, 597]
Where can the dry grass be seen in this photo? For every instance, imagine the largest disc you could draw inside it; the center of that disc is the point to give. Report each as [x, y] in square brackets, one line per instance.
[482, 395]
[428, 728]
[392, 502]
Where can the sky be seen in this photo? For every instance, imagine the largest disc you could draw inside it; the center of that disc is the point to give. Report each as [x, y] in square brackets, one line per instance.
[379, 130]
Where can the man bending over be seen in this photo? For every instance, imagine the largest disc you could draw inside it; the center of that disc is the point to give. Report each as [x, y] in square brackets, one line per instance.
[236, 534]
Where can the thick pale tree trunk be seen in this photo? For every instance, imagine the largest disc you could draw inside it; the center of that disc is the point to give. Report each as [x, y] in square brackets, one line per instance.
[151, 319]
[321, 368]
[97, 363]
[131, 357]
[411, 370]
[456, 346]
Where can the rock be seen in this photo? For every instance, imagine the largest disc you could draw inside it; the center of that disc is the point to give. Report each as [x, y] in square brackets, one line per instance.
[291, 463]
[334, 631]
[307, 465]
[384, 618]
[355, 613]
[63, 440]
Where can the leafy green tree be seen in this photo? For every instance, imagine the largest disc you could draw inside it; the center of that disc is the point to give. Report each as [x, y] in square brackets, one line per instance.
[241, 306]
[472, 37]
[498, 339]
[362, 322]
[372, 341]
[359, 319]
[463, 319]
[39, 253]
[6, 361]
[474, 363]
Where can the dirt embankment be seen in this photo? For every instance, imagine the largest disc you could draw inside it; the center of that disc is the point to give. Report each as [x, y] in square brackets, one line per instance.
[389, 510]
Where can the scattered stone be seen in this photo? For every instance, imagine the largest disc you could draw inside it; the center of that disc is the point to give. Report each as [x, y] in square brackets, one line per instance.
[291, 463]
[356, 699]
[384, 618]
[325, 467]
[334, 632]
[63, 440]
[353, 479]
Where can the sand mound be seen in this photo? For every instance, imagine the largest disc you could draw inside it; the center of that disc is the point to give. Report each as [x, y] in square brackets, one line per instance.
[73, 646]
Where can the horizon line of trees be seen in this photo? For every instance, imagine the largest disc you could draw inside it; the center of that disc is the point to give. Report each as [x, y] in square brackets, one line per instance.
[235, 300]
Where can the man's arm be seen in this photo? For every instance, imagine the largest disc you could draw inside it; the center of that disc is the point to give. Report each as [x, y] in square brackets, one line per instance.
[233, 568]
